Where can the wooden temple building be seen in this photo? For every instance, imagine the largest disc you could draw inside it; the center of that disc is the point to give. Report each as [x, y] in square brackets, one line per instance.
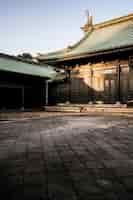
[99, 67]
[24, 85]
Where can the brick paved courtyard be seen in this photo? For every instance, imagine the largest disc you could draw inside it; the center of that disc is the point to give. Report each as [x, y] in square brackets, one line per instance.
[67, 158]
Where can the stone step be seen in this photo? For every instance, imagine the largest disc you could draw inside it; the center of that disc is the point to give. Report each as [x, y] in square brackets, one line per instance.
[62, 108]
[116, 105]
[90, 109]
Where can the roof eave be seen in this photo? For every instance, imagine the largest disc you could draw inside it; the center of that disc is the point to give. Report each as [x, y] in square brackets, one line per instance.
[90, 54]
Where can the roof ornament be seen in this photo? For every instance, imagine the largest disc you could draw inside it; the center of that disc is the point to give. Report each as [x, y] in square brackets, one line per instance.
[89, 24]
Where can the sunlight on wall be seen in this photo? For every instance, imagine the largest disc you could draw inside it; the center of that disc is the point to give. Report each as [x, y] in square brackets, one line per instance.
[95, 80]
[94, 75]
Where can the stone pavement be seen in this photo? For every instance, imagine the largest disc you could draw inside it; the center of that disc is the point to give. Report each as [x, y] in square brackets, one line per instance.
[67, 158]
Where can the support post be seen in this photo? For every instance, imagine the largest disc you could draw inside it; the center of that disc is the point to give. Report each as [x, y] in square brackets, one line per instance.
[69, 72]
[91, 86]
[119, 83]
[22, 106]
[46, 93]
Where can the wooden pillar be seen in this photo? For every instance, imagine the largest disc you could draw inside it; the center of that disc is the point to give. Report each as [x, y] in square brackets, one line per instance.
[46, 92]
[43, 95]
[22, 106]
[69, 85]
[119, 83]
[92, 95]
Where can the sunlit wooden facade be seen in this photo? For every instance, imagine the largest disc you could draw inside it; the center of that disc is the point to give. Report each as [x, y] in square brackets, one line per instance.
[99, 67]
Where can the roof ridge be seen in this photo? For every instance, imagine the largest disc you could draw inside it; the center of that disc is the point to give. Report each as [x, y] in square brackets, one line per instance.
[114, 21]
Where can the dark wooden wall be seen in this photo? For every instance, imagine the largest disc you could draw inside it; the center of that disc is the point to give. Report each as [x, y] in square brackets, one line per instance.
[108, 82]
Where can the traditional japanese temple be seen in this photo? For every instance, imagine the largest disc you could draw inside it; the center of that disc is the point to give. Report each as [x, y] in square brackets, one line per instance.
[24, 85]
[99, 67]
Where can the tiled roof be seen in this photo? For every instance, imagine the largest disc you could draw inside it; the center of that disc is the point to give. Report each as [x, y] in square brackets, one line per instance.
[112, 34]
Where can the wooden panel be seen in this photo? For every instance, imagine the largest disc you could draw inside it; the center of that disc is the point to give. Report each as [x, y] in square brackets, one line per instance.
[124, 87]
[79, 91]
[130, 86]
[110, 91]
[58, 93]
[75, 94]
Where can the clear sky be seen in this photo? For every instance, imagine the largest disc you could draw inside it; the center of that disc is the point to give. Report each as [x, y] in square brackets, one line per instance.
[47, 25]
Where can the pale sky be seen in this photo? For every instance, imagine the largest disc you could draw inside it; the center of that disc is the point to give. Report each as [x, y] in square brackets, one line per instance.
[47, 25]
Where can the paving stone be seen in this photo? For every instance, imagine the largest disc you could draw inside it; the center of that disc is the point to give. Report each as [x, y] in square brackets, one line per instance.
[15, 180]
[87, 188]
[80, 175]
[34, 167]
[58, 192]
[120, 167]
[92, 164]
[34, 179]
[110, 185]
[17, 193]
[33, 192]
[67, 158]
[127, 182]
